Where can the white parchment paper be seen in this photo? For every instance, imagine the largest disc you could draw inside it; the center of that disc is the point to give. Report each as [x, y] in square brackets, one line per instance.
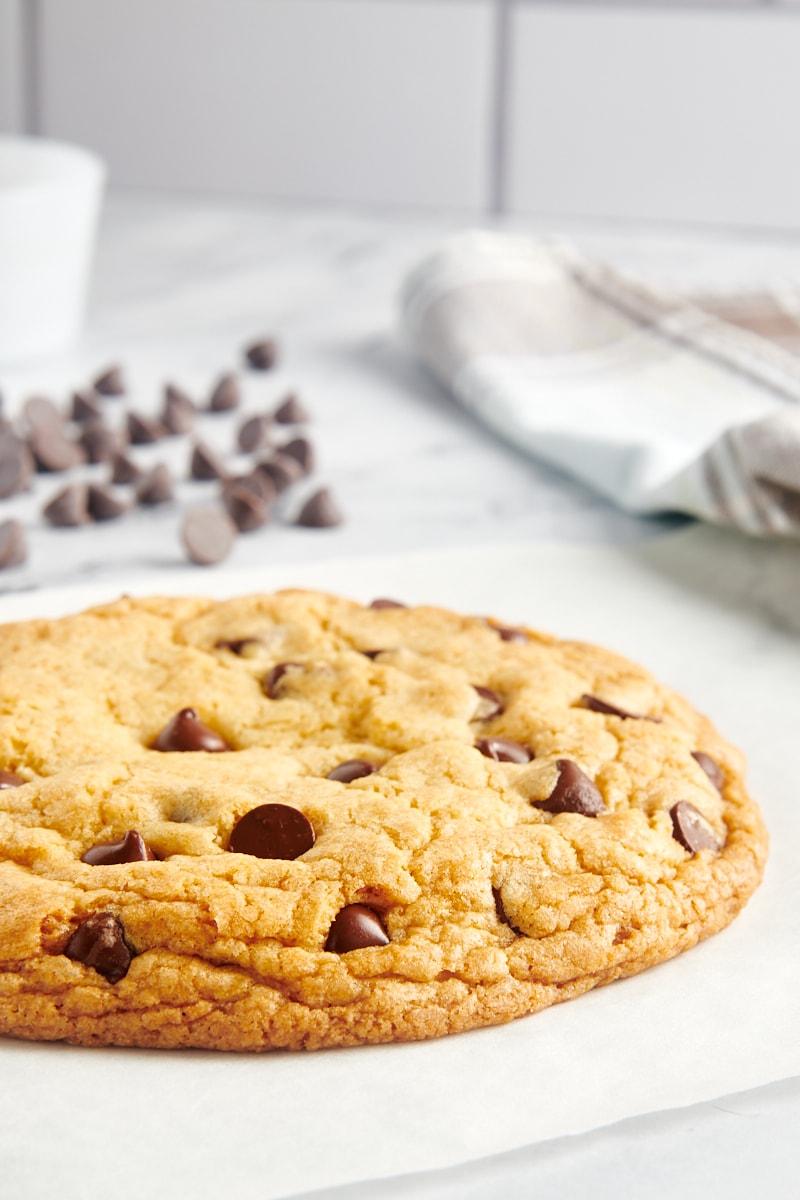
[713, 614]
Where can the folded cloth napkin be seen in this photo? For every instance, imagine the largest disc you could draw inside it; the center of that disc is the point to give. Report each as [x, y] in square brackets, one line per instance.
[661, 401]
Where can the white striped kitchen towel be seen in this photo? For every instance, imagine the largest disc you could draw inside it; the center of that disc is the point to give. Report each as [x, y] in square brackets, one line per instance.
[660, 401]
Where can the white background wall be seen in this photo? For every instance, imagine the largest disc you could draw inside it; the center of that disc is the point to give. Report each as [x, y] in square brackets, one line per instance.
[676, 110]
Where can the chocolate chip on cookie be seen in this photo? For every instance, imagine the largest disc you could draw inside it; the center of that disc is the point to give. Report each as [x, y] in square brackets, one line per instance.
[574, 792]
[508, 633]
[272, 831]
[691, 829]
[490, 704]
[382, 602]
[353, 768]
[9, 780]
[238, 646]
[99, 942]
[595, 704]
[271, 683]
[355, 927]
[187, 732]
[712, 769]
[504, 750]
[132, 848]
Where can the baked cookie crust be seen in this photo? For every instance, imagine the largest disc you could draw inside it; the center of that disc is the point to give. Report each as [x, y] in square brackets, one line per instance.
[463, 823]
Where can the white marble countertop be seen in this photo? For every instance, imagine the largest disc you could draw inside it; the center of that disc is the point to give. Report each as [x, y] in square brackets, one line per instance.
[179, 288]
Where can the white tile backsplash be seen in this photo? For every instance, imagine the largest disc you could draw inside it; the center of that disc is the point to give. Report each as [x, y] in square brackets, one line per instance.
[385, 103]
[656, 114]
[11, 58]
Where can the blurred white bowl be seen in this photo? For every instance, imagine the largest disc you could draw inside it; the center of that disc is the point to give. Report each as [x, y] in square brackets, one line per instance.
[50, 195]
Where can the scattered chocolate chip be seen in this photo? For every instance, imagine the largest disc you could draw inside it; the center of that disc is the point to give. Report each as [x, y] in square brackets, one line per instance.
[291, 411]
[253, 434]
[301, 449]
[691, 829]
[155, 487]
[40, 413]
[53, 450]
[271, 683]
[262, 355]
[124, 469]
[509, 634]
[259, 484]
[236, 645]
[354, 928]
[383, 603]
[68, 507]
[178, 411]
[208, 535]
[85, 406]
[9, 780]
[272, 831]
[99, 942]
[143, 431]
[13, 544]
[225, 394]
[354, 768]
[712, 769]
[504, 750]
[247, 510]
[490, 704]
[205, 463]
[103, 505]
[16, 465]
[594, 704]
[574, 792]
[99, 441]
[320, 511]
[281, 469]
[187, 732]
[132, 848]
[110, 382]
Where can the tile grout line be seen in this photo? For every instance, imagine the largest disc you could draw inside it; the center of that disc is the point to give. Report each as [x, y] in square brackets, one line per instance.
[499, 108]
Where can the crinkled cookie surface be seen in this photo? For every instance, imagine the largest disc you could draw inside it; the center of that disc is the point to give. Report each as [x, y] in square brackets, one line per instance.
[295, 821]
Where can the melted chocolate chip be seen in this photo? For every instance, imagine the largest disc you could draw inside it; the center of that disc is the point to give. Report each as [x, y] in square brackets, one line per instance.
[381, 603]
[187, 732]
[236, 645]
[712, 769]
[574, 792]
[225, 395]
[132, 848]
[504, 750]
[9, 780]
[262, 355]
[373, 654]
[99, 942]
[110, 382]
[354, 768]
[272, 831]
[508, 634]
[291, 412]
[271, 683]
[691, 829]
[499, 907]
[490, 704]
[595, 704]
[355, 927]
[320, 511]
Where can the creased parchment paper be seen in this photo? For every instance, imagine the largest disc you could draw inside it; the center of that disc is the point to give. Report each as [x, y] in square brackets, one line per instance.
[711, 613]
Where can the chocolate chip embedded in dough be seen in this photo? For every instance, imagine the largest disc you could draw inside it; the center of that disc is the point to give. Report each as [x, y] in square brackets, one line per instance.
[595, 704]
[237, 646]
[247, 510]
[373, 654]
[185, 732]
[85, 406]
[68, 507]
[99, 942]
[208, 535]
[271, 683]
[253, 434]
[502, 915]
[205, 463]
[300, 449]
[504, 750]
[9, 780]
[508, 633]
[262, 355]
[272, 831]
[712, 769]
[143, 431]
[320, 511]
[281, 469]
[490, 704]
[691, 829]
[178, 411]
[124, 469]
[291, 412]
[574, 792]
[382, 602]
[103, 505]
[225, 394]
[131, 848]
[53, 450]
[353, 768]
[13, 544]
[110, 382]
[354, 928]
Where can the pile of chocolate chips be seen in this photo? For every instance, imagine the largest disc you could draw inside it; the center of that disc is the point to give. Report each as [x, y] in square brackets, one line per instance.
[45, 440]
